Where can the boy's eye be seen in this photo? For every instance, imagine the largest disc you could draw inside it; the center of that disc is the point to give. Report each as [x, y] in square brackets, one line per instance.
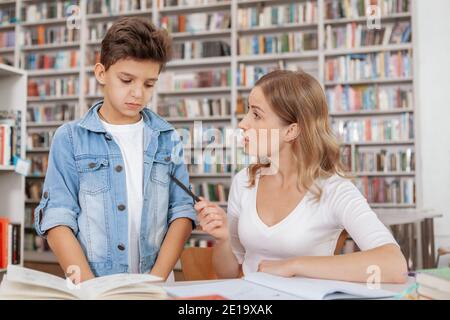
[125, 81]
[149, 85]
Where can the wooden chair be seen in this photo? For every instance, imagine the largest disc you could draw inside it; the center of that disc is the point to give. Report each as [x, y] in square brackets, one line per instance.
[196, 263]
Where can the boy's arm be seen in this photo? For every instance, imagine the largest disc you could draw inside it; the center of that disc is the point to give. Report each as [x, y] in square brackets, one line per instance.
[69, 254]
[181, 216]
[56, 215]
[172, 246]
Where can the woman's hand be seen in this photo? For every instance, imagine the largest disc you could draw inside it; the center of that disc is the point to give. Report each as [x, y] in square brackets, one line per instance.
[281, 268]
[212, 219]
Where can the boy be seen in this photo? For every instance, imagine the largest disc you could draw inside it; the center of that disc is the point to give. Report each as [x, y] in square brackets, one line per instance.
[108, 204]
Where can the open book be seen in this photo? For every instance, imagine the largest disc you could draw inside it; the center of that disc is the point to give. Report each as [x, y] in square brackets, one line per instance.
[263, 286]
[23, 283]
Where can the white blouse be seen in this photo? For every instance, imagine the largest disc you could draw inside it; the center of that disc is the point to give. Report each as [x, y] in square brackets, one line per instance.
[311, 229]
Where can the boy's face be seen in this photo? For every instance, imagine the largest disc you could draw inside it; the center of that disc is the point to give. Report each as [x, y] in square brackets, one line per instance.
[127, 87]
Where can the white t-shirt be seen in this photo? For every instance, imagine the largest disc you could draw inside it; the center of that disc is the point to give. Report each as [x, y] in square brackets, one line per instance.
[130, 138]
[311, 229]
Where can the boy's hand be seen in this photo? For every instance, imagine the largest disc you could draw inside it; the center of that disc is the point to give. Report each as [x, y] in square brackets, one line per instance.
[212, 219]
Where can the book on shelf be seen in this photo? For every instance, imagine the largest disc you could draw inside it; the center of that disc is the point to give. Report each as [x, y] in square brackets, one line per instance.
[67, 86]
[340, 9]
[98, 29]
[277, 15]
[7, 39]
[354, 35]
[215, 192]
[264, 286]
[108, 7]
[214, 161]
[278, 43]
[433, 283]
[39, 139]
[354, 67]
[39, 164]
[387, 190]
[92, 86]
[33, 189]
[389, 129]
[352, 98]
[248, 74]
[24, 283]
[198, 243]
[34, 12]
[56, 61]
[10, 137]
[43, 113]
[194, 107]
[10, 242]
[385, 160]
[8, 60]
[181, 3]
[196, 22]
[42, 35]
[171, 81]
[8, 15]
[200, 49]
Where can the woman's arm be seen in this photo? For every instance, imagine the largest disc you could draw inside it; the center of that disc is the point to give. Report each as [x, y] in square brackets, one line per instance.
[213, 221]
[69, 253]
[358, 266]
[173, 244]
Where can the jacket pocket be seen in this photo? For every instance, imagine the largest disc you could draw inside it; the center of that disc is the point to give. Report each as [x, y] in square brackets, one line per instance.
[94, 174]
[160, 169]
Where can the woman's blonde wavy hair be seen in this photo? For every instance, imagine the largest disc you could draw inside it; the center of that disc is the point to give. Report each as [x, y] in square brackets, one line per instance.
[297, 97]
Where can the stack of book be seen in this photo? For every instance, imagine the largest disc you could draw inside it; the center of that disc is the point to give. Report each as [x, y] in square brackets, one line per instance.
[53, 87]
[10, 137]
[48, 35]
[197, 22]
[200, 49]
[7, 39]
[433, 284]
[59, 60]
[10, 238]
[51, 112]
[278, 43]
[263, 16]
[108, 7]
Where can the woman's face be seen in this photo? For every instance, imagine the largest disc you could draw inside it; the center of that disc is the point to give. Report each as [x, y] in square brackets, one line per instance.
[263, 129]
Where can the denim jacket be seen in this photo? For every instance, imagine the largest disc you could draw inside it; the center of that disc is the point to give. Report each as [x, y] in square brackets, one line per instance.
[85, 190]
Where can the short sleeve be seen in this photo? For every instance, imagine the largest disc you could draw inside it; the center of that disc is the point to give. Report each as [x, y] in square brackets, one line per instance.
[353, 213]
[233, 213]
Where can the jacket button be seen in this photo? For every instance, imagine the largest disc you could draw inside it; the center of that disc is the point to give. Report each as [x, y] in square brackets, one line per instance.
[92, 165]
[45, 195]
[121, 247]
[167, 158]
[121, 207]
[119, 168]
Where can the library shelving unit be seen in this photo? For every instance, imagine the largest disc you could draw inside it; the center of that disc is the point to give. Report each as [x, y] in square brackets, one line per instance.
[13, 83]
[221, 49]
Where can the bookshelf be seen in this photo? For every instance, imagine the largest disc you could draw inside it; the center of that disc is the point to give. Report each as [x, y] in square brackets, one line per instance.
[13, 83]
[317, 41]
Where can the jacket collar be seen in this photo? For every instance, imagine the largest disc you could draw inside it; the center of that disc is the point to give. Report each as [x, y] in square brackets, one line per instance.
[91, 120]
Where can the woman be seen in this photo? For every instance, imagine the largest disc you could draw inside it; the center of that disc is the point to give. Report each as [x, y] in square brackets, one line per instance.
[285, 217]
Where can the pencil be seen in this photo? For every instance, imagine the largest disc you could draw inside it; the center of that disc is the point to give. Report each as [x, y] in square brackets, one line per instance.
[182, 186]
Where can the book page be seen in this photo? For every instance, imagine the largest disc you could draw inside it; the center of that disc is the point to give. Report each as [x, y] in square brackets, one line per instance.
[98, 286]
[19, 291]
[235, 289]
[39, 279]
[316, 289]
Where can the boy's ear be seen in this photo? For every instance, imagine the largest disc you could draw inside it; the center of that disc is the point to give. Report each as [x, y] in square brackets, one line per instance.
[99, 71]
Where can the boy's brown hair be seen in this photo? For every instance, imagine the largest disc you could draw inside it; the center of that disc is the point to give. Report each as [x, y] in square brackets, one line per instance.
[135, 38]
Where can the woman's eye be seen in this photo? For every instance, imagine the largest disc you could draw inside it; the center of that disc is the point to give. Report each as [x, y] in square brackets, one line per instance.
[125, 81]
[256, 116]
[149, 86]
